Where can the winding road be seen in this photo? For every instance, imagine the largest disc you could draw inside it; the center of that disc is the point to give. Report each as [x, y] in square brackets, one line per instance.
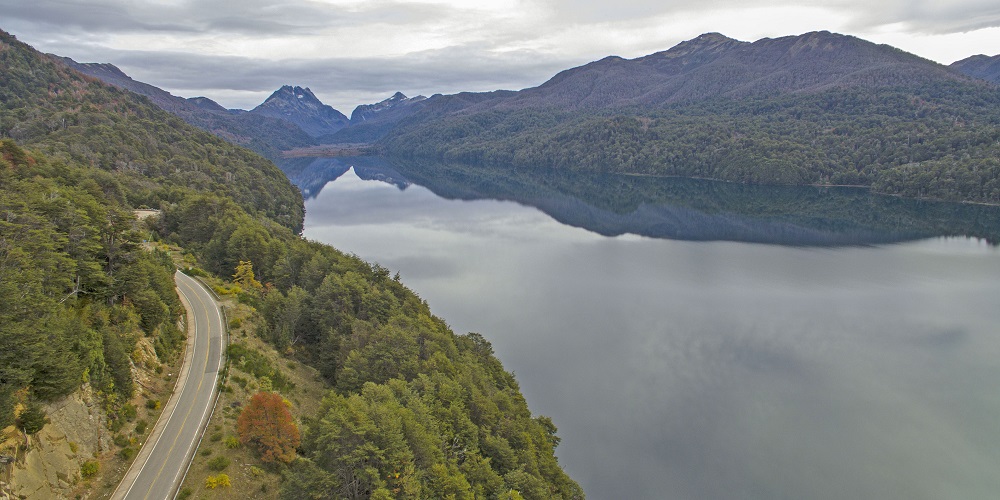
[160, 466]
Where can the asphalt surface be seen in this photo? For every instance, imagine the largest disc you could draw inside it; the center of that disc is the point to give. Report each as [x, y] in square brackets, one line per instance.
[160, 466]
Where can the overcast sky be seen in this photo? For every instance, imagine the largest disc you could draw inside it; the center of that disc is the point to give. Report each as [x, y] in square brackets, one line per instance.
[352, 52]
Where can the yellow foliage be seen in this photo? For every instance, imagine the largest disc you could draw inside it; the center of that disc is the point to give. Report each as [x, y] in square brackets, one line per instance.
[244, 276]
[219, 481]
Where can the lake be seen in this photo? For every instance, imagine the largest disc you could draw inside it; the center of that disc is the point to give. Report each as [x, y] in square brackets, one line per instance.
[702, 340]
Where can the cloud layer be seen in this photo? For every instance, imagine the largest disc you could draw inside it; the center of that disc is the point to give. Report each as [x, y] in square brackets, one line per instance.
[353, 52]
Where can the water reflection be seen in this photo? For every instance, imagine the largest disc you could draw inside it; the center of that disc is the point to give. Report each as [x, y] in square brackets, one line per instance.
[707, 370]
[695, 370]
[675, 208]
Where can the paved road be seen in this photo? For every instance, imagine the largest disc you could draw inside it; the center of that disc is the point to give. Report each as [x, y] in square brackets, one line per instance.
[157, 470]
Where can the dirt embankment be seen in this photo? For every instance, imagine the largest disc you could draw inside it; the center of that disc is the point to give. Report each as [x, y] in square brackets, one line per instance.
[50, 466]
[50, 463]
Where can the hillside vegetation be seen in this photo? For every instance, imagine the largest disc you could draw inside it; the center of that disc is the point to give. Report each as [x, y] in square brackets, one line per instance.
[819, 108]
[267, 136]
[979, 66]
[77, 290]
[413, 410]
[155, 155]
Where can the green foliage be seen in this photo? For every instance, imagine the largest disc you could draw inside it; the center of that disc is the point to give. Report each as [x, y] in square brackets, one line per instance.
[415, 408]
[121, 440]
[78, 291]
[153, 153]
[89, 469]
[257, 364]
[32, 418]
[367, 333]
[127, 453]
[926, 139]
[218, 463]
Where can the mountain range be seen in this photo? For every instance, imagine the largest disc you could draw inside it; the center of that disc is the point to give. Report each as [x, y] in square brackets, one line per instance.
[817, 108]
[979, 66]
[291, 117]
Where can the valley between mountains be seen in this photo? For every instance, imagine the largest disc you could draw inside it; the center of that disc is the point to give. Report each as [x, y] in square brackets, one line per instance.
[340, 381]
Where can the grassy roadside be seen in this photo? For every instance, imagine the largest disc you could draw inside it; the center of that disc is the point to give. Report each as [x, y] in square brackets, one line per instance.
[253, 366]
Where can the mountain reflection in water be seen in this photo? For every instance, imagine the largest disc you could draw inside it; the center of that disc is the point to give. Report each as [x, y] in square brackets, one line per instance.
[675, 208]
[827, 365]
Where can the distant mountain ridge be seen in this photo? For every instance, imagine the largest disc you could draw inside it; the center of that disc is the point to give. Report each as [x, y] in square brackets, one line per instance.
[980, 66]
[300, 106]
[713, 66]
[367, 112]
[265, 135]
[369, 122]
[109, 73]
[817, 108]
[291, 118]
[710, 66]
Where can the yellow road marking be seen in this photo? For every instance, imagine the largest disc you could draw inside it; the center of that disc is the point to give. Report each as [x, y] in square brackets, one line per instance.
[189, 292]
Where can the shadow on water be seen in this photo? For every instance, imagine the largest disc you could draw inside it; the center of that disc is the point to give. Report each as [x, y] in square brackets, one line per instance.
[675, 208]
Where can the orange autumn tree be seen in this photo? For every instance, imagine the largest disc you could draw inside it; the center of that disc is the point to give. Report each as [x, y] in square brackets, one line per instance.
[267, 424]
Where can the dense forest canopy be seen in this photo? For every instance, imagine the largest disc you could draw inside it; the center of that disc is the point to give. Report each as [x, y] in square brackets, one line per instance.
[77, 288]
[46, 105]
[939, 141]
[414, 410]
[819, 108]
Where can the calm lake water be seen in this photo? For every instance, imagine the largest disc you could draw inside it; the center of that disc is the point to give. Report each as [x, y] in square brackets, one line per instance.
[698, 340]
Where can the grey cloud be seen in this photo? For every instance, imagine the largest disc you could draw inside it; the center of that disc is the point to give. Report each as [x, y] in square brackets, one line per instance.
[250, 17]
[337, 80]
[933, 17]
[942, 17]
[91, 17]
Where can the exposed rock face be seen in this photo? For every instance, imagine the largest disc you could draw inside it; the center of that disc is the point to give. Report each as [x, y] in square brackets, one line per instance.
[77, 431]
[300, 106]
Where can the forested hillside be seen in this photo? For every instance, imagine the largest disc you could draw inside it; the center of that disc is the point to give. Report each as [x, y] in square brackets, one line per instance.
[155, 155]
[77, 289]
[815, 109]
[265, 135]
[979, 66]
[414, 411]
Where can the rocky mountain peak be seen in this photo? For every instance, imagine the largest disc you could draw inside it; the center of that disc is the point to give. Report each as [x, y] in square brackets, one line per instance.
[367, 112]
[300, 106]
[706, 43]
